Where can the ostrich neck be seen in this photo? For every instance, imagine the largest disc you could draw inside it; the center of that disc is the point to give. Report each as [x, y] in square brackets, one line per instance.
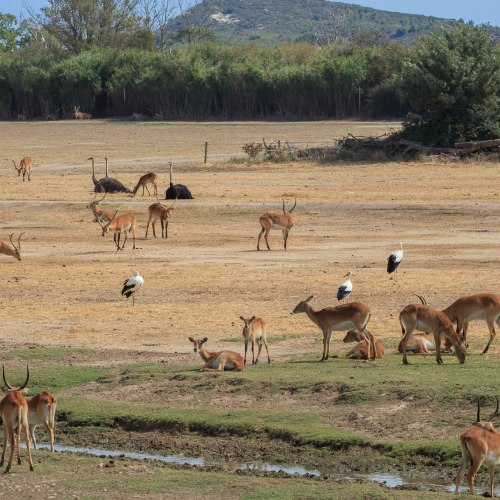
[170, 174]
[93, 174]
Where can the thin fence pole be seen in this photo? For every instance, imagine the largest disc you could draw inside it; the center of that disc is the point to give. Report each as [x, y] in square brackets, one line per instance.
[206, 152]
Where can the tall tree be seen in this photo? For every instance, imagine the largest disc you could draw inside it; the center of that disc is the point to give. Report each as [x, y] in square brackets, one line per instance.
[9, 32]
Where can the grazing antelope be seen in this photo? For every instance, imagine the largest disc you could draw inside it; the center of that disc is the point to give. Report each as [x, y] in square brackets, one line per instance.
[484, 306]
[80, 115]
[254, 331]
[273, 220]
[360, 350]
[14, 413]
[42, 411]
[98, 212]
[353, 315]
[24, 167]
[419, 317]
[159, 211]
[13, 252]
[217, 361]
[122, 224]
[149, 178]
[480, 444]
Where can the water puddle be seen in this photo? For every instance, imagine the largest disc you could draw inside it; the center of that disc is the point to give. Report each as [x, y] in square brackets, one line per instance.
[392, 480]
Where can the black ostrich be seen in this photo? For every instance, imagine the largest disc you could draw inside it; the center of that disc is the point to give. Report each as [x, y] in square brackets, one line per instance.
[107, 184]
[177, 190]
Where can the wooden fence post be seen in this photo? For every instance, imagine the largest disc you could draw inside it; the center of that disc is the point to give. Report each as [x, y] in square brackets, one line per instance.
[206, 152]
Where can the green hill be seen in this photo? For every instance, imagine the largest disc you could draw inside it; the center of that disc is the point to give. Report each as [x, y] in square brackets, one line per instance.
[321, 21]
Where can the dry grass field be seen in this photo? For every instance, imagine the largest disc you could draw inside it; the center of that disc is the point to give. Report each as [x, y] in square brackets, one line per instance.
[65, 291]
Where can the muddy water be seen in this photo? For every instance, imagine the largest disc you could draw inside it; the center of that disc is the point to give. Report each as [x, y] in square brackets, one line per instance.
[392, 480]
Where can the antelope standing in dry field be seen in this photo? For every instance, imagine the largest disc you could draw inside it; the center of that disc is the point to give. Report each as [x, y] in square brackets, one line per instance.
[80, 115]
[420, 317]
[480, 444]
[24, 167]
[100, 214]
[481, 306]
[42, 411]
[122, 224]
[353, 315]
[159, 211]
[274, 220]
[14, 413]
[15, 252]
[254, 331]
[360, 350]
[149, 178]
[217, 360]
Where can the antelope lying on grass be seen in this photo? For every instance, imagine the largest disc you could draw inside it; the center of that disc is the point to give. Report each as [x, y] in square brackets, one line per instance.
[360, 350]
[217, 361]
[254, 331]
[423, 343]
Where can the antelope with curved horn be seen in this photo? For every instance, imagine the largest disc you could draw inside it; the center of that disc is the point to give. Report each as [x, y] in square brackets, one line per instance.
[353, 315]
[420, 317]
[159, 211]
[98, 212]
[14, 413]
[80, 115]
[149, 178]
[14, 251]
[24, 167]
[42, 411]
[274, 220]
[480, 445]
[122, 224]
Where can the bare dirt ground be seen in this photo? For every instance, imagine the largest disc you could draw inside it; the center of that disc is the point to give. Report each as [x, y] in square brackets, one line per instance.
[65, 291]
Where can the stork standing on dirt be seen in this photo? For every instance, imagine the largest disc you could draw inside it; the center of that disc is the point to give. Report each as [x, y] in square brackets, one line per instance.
[394, 260]
[346, 288]
[131, 286]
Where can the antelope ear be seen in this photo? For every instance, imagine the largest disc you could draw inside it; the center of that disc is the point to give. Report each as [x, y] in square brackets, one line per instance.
[204, 340]
[308, 299]
[252, 319]
[242, 318]
[191, 339]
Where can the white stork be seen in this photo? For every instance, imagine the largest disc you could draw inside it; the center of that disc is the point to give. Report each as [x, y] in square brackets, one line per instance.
[346, 288]
[394, 260]
[131, 286]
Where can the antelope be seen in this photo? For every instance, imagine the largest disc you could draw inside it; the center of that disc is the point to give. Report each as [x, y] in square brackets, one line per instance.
[24, 167]
[217, 361]
[254, 331]
[360, 350]
[159, 211]
[122, 224]
[80, 115]
[427, 319]
[13, 252]
[353, 315]
[42, 411]
[22, 117]
[99, 213]
[14, 413]
[149, 178]
[273, 220]
[420, 342]
[480, 444]
[139, 116]
[475, 307]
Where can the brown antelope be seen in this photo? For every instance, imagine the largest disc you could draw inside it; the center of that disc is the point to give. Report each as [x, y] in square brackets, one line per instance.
[13, 252]
[273, 220]
[254, 331]
[122, 224]
[14, 413]
[42, 411]
[217, 360]
[80, 115]
[360, 350]
[485, 306]
[423, 343]
[149, 178]
[480, 444]
[420, 317]
[24, 167]
[159, 211]
[353, 315]
[98, 212]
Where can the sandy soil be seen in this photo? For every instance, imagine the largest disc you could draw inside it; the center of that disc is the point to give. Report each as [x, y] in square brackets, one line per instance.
[65, 291]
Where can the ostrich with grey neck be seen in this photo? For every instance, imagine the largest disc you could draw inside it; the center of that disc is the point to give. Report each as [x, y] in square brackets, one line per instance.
[175, 191]
[107, 184]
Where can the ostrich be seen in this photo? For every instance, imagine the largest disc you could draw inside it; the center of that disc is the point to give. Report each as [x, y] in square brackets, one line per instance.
[107, 184]
[178, 190]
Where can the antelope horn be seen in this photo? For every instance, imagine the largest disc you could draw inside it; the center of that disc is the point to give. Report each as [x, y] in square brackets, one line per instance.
[5, 381]
[160, 202]
[19, 241]
[422, 299]
[495, 413]
[17, 169]
[10, 236]
[284, 211]
[478, 411]
[27, 379]
[291, 210]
